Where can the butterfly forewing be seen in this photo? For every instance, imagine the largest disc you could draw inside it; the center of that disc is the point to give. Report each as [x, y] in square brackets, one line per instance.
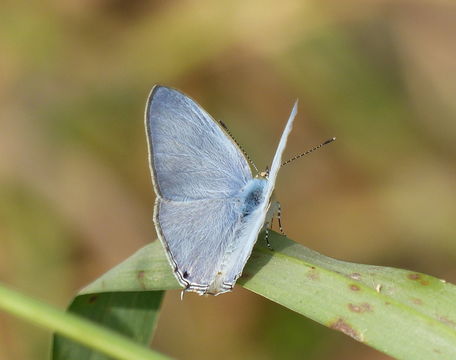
[191, 157]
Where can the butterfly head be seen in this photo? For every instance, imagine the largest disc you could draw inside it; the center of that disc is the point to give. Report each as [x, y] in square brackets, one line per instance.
[263, 174]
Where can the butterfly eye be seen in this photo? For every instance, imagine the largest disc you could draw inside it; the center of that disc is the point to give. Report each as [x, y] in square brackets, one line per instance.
[185, 275]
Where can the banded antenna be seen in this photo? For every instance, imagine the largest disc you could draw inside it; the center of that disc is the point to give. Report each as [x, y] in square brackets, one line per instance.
[239, 146]
[309, 151]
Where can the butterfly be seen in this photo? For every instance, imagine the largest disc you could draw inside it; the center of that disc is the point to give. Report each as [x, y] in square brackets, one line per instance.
[209, 207]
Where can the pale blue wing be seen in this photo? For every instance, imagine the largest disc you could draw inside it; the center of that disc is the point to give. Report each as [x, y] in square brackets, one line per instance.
[277, 161]
[247, 233]
[198, 235]
[256, 220]
[191, 157]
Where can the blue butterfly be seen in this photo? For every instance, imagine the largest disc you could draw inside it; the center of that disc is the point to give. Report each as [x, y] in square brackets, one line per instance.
[209, 208]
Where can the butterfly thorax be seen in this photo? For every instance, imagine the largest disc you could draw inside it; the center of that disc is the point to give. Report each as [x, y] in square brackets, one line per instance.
[252, 195]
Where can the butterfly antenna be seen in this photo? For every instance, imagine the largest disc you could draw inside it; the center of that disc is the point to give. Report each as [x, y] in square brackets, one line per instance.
[239, 146]
[309, 151]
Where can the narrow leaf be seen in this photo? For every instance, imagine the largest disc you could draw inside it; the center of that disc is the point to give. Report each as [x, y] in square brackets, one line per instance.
[73, 327]
[132, 314]
[405, 314]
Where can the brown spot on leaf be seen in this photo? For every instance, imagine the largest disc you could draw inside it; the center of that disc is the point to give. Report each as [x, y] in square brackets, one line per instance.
[447, 321]
[361, 308]
[414, 276]
[419, 278]
[342, 326]
[92, 299]
[354, 287]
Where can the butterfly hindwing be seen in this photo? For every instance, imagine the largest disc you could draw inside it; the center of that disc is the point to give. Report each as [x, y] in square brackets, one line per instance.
[199, 235]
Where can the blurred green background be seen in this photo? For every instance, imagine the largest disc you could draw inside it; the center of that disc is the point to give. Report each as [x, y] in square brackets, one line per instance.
[75, 190]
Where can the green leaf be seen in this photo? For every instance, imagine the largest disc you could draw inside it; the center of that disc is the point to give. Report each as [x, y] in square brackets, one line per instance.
[147, 269]
[132, 314]
[74, 327]
[405, 314]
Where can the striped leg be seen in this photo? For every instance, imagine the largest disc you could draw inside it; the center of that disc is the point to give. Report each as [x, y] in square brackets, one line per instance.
[279, 217]
[266, 237]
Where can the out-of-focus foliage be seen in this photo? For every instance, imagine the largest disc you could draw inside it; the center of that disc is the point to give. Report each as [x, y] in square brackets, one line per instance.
[75, 190]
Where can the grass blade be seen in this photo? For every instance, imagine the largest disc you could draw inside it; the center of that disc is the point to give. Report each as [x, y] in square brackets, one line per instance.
[73, 326]
[133, 314]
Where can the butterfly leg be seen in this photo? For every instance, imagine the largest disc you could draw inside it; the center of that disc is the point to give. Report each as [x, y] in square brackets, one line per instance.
[269, 220]
[279, 217]
[266, 237]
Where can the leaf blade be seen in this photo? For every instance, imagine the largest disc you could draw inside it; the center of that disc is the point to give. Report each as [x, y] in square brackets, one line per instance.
[405, 314]
[133, 314]
[72, 326]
